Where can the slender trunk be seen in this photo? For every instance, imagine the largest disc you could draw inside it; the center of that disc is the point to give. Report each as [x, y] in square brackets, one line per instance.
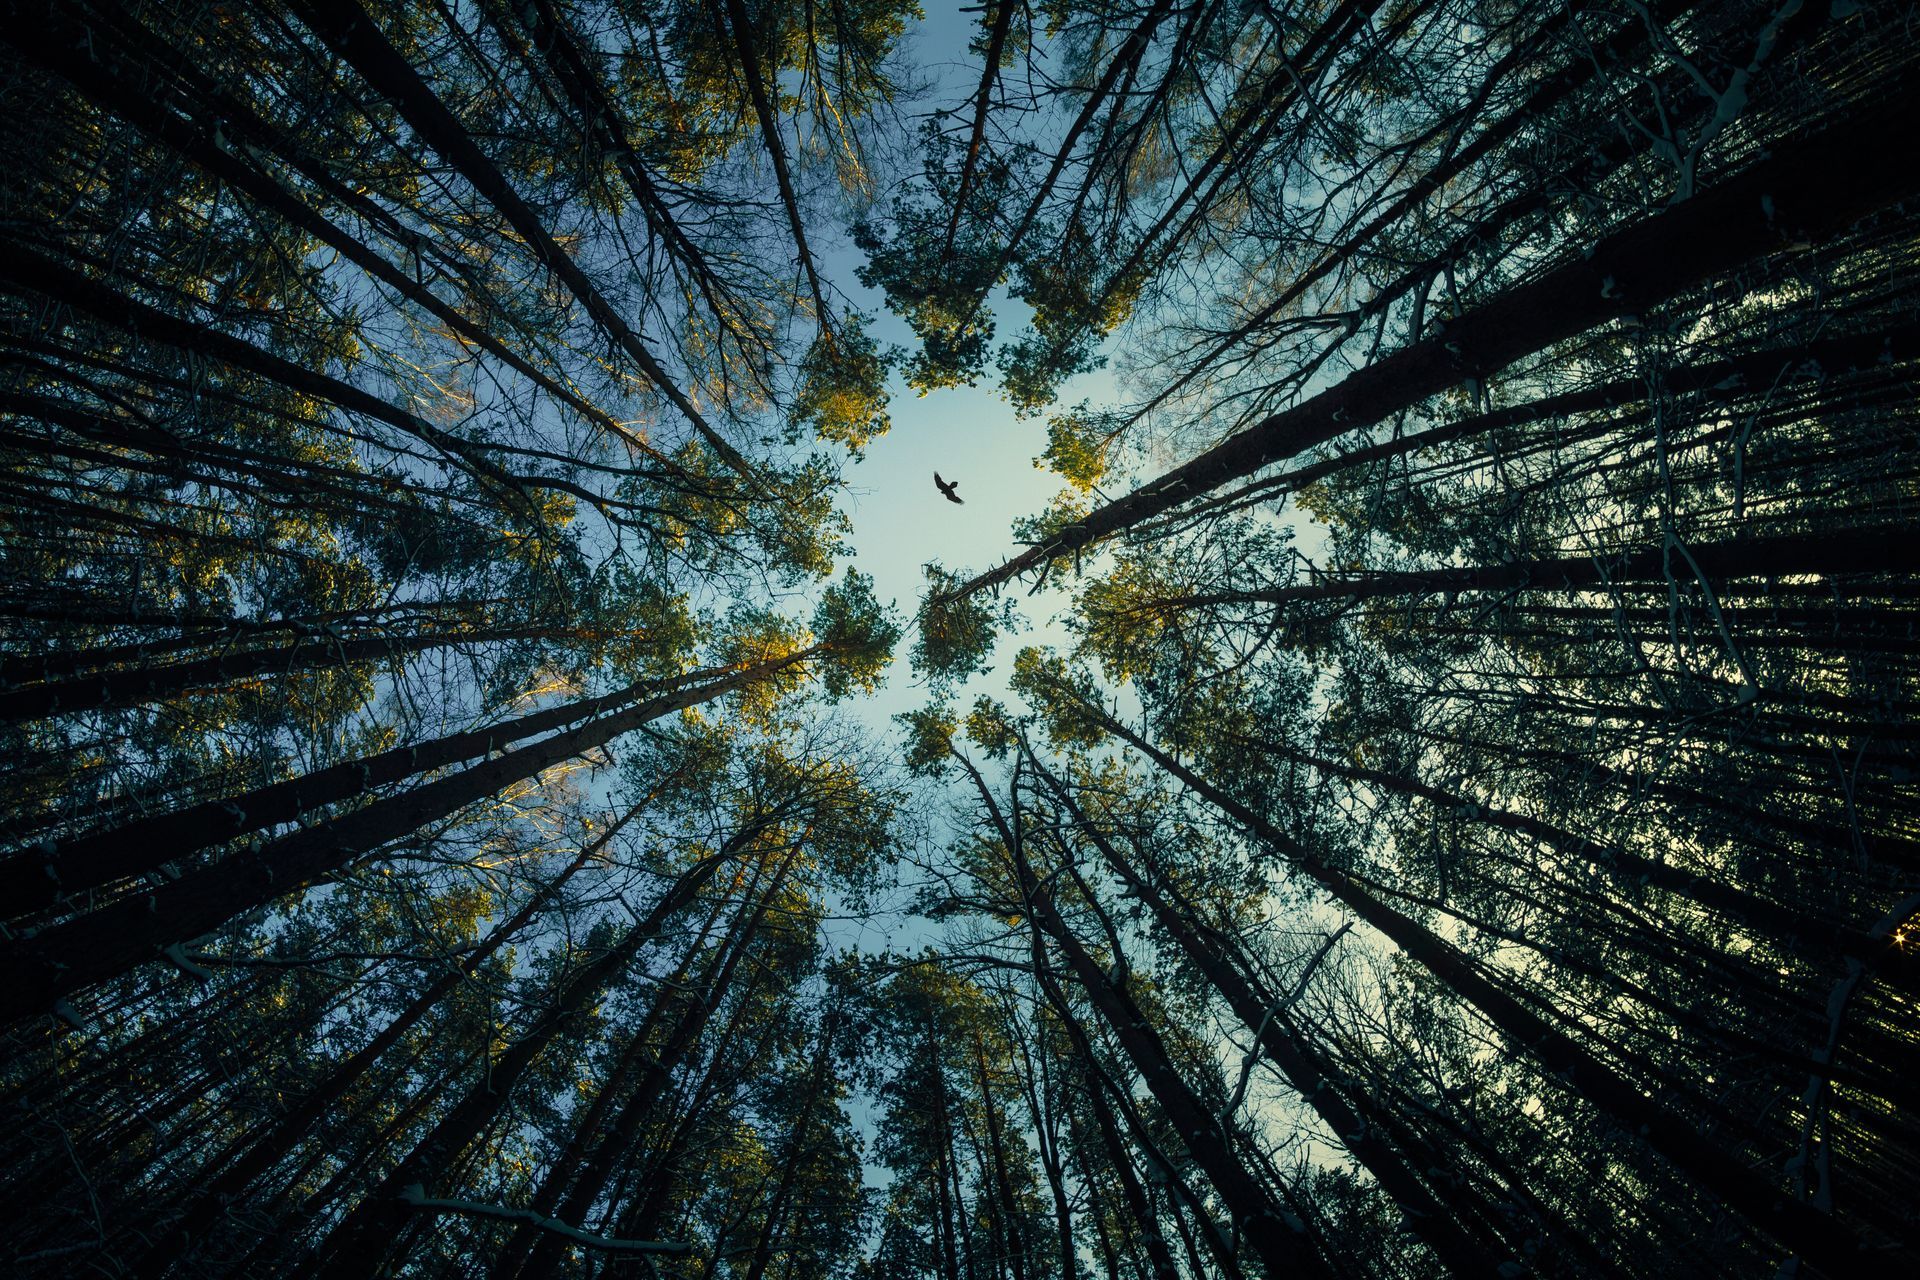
[731, 16]
[1276, 1236]
[1768, 1209]
[998, 18]
[347, 29]
[1293, 76]
[1868, 550]
[512, 1258]
[1548, 93]
[350, 1173]
[656, 1074]
[1791, 928]
[213, 633]
[950, 1146]
[1105, 1096]
[1812, 187]
[1036, 1085]
[1014, 1240]
[1125, 64]
[114, 76]
[116, 938]
[216, 1196]
[145, 684]
[1753, 824]
[358, 1246]
[1755, 373]
[795, 1148]
[1434, 1223]
[562, 53]
[146, 844]
[22, 268]
[943, 1247]
[1146, 1224]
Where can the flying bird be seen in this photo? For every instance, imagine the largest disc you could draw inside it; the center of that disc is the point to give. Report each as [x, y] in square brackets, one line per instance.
[946, 487]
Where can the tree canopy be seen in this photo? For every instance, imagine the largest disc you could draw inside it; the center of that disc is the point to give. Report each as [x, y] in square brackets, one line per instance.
[1457, 813]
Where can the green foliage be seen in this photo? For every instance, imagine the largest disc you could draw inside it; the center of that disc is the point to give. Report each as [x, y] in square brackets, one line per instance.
[939, 290]
[1073, 311]
[859, 633]
[992, 728]
[955, 636]
[929, 738]
[1076, 449]
[1061, 695]
[396, 408]
[843, 396]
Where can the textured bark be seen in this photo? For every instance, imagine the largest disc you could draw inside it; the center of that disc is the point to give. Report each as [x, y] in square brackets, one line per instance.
[142, 684]
[778, 1206]
[25, 270]
[656, 1073]
[1792, 928]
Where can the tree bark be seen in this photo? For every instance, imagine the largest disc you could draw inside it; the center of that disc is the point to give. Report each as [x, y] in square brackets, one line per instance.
[656, 1073]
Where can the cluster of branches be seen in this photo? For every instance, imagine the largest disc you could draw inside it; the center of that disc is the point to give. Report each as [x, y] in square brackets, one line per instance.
[422, 354]
[557, 1038]
[1533, 613]
[1475, 831]
[411, 421]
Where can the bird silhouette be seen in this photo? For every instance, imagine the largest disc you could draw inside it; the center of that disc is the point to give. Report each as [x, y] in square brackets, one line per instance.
[946, 488]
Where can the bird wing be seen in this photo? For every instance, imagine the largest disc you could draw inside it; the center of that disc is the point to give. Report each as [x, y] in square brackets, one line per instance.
[940, 484]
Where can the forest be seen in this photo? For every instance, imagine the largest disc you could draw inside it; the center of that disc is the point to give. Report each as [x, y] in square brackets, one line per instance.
[1431, 790]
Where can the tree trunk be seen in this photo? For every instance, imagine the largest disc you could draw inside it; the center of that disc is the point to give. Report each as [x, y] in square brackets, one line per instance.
[1812, 187]
[36, 972]
[1275, 1235]
[1792, 929]
[1433, 1222]
[356, 1247]
[147, 844]
[1768, 1209]
[347, 29]
[795, 1148]
[144, 684]
[113, 76]
[1863, 551]
[512, 1257]
[656, 1074]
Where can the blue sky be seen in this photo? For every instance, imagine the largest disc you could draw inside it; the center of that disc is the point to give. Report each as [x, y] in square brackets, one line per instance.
[969, 435]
